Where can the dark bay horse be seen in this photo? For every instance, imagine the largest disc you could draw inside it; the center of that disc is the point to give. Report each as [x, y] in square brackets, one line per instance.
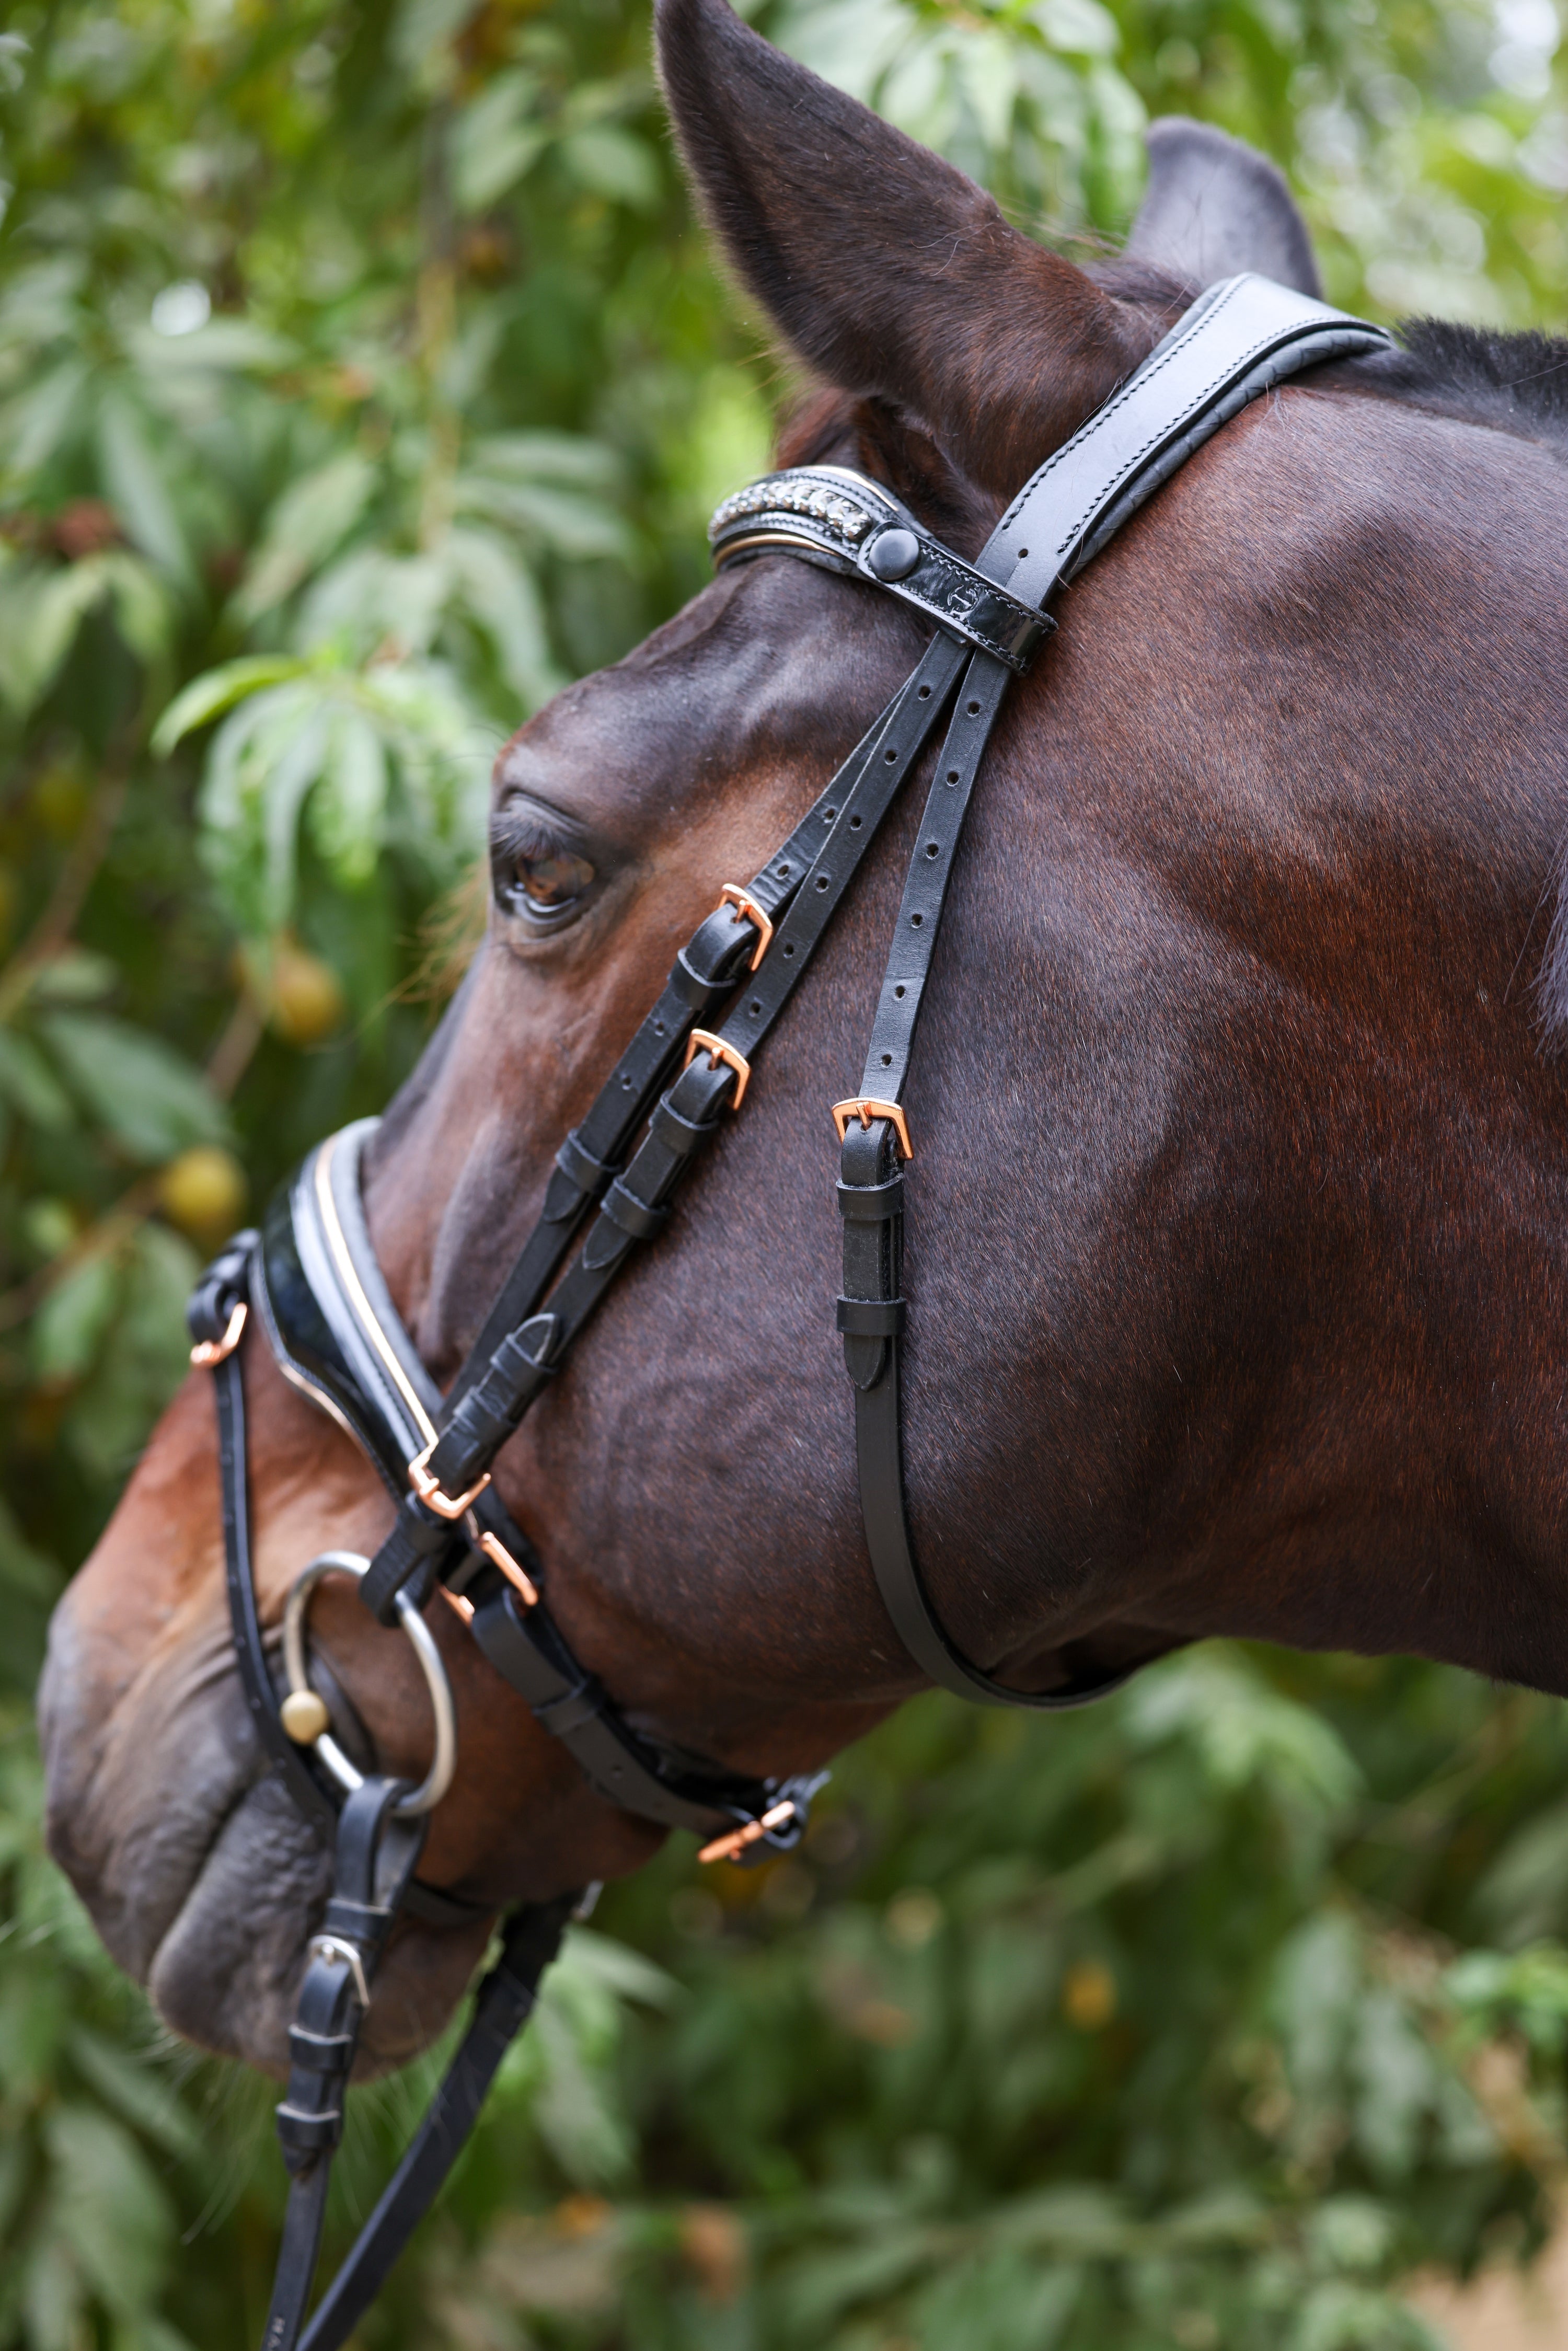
[1237, 1230]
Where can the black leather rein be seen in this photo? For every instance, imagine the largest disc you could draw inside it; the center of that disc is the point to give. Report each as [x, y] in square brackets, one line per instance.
[311, 1280]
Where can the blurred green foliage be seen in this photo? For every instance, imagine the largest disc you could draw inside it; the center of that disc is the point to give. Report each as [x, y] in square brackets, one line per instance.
[363, 377]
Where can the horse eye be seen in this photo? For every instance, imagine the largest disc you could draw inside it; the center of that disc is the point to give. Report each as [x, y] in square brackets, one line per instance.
[551, 883]
[541, 886]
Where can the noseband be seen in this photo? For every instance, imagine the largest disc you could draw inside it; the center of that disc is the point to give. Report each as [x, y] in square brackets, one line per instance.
[311, 1280]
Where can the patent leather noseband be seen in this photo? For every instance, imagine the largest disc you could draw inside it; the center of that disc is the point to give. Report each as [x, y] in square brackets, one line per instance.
[311, 1280]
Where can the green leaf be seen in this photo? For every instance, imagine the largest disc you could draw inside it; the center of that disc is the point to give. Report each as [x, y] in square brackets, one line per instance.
[136, 487]
[568, 460]
[139, 2094]
[564, 519]
[52, 2294]
[349, 807]
[33, 428]
[69, 1326]
[612, 163]
[28, 1083]
[502, 600]
[217, 690]
[59, 605]
[309, 522]
[494, 144]
[989, 67]
[150, 1099]
[1077, 26]
[75, 975]
[108, 2207]
[600, 1959]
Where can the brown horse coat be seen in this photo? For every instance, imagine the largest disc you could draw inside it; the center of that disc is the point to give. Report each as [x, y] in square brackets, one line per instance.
[1235, 1241]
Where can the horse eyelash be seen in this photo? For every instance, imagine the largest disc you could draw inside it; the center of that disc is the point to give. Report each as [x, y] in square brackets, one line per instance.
[520, 834]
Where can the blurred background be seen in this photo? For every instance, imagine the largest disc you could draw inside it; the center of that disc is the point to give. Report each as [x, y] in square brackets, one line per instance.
[362, 378]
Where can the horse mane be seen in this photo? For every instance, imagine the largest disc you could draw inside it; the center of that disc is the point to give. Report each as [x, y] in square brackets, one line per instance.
[1514, 382]
[1510, 383]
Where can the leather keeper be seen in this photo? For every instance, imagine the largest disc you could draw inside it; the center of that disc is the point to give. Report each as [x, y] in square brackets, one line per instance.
[222, 1285]
[680, 1136]
[871, 1204]
[306, 2134]
[704, 1089]
[561, 1714]
[697, 988]
[607, 1243]
[320, 2053]
[586, 1175]
[869, 1318]
[418, 1539]
[358, 1922]
[487, 1414]
[633, 1215]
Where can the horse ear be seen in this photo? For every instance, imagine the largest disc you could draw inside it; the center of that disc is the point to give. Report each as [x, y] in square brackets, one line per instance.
[886, 269]
[1215, 208]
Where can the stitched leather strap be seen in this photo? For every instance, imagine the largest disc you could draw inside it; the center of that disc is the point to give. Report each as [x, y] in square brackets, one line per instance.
[837, 833]
[1239, 341]
[225, 1284]
[375, 1858]
[1240, 338]
[502, 2007]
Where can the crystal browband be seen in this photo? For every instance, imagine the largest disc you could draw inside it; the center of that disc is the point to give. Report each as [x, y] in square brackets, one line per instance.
[850, 524]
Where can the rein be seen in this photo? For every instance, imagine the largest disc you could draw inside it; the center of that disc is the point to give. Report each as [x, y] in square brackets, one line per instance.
[311, 1280]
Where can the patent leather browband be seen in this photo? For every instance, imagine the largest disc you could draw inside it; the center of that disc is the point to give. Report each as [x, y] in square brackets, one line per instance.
[311, 1283]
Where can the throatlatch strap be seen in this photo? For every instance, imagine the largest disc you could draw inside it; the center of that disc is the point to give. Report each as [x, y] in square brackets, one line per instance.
[1238, 342]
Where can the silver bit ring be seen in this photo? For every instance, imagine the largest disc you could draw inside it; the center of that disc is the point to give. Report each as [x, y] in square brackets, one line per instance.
[438, 1778]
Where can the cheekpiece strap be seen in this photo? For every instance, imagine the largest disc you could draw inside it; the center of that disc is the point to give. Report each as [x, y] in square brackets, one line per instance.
[840, 520]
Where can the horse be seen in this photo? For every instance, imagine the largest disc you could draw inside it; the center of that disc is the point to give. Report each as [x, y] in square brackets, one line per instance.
[1234, 1222]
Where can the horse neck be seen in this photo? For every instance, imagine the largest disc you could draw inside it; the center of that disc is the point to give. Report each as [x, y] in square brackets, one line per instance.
[1324, 1329]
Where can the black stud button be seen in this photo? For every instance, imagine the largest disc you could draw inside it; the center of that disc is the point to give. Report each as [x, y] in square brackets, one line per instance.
[894, 555]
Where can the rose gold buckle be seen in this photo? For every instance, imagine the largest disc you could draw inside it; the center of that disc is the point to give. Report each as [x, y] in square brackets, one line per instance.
[208, 1352]
[732, 895]
[704, 1041]
[428, 1489]
[726, 1848]
[496, 1552]
[865, 1109]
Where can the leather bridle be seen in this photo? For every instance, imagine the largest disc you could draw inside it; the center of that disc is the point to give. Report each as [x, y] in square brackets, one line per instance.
[311, 1280]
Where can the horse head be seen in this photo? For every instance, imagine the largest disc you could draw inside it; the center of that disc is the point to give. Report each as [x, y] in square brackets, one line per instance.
[1234, 1228]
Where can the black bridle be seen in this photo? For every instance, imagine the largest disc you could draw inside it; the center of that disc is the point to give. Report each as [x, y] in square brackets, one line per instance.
[311, 1280]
